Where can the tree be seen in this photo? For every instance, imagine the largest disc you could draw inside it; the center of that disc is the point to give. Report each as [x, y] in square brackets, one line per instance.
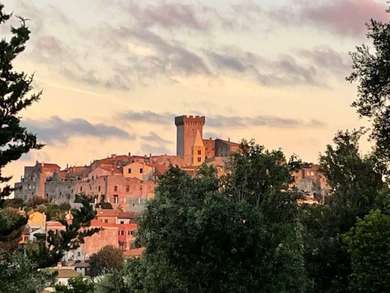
[104, 205]
[204, 234]
[255, 172]
[15, 140]
[12, 223]
[356, 181]
[106, 260]
[371, 70]
[77, 285]
[357, 186]
[19, 274]
[51, 250]
[369, 246]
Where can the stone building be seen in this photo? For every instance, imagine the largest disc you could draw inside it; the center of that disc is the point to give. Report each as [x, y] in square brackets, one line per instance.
[116, 229]
[32, 184]
[311, 182]
[139, 170]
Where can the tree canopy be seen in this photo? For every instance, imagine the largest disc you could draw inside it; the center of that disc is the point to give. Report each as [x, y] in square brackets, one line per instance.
[206, 234]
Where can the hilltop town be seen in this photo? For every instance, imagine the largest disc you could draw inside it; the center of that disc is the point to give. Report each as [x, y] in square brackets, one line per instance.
[126, 182]
[218, 214]
[120, 186]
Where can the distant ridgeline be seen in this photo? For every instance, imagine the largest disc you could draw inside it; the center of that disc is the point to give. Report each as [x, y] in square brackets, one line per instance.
[128, 181]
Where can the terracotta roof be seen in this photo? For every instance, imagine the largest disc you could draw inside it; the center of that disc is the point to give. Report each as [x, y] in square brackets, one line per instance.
[66, 273]
[98, 223]
[50, 166]
[107, 213]
[136, 252]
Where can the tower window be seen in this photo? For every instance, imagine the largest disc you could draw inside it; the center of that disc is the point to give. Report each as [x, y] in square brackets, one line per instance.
[141, 170]
[115, 188]
[199, 152]
[129, 170]
[115, 198]
[199, 159]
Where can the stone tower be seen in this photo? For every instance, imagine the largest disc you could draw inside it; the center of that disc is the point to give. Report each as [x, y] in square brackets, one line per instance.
[189, 139]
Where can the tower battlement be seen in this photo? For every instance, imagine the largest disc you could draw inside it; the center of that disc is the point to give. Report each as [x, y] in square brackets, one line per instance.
[189, 119]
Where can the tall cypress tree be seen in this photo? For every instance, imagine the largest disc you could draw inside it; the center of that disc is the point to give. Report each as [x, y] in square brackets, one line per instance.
[15, 96]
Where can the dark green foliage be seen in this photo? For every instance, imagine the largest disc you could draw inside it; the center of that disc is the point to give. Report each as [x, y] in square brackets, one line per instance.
[19, 274]
[53, 211]
[108, 259]
[356, 180]
[357, 186]
[15, 140]
[11, 227]
[203, 234]
[369, 247]
[15, 203]
[371, 69]
[104, 205]
[77, 285]
[255, 172]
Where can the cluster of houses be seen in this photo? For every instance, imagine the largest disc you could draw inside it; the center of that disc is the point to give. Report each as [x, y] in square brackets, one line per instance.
[126, 182]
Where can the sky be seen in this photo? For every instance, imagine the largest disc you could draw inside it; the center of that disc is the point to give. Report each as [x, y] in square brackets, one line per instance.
[115, 73]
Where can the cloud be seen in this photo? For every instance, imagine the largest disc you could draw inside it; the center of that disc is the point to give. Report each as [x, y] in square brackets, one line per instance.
[148, 117]
[285, 70]
[145, 44]
[223, 121]
[155, 138]
[56, 129]
[328, 59]
[154, 149]
[170, 57]
[345, 17]
[168, 15]
[70, 63]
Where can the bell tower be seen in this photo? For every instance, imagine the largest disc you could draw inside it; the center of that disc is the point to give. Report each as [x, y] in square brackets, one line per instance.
[189, 139]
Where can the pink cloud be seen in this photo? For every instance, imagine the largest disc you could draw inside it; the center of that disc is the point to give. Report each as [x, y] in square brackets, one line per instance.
[344, 16]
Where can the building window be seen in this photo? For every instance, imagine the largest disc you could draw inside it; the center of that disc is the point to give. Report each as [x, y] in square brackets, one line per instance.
[129, 170]
[115, 198]
[127, 188]
[199, 159]
[141, 170]
[99, 188]
[199, 152]
[81, 189]
[122, 232]
[106, 221]
[122, 222]
[115, 188]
